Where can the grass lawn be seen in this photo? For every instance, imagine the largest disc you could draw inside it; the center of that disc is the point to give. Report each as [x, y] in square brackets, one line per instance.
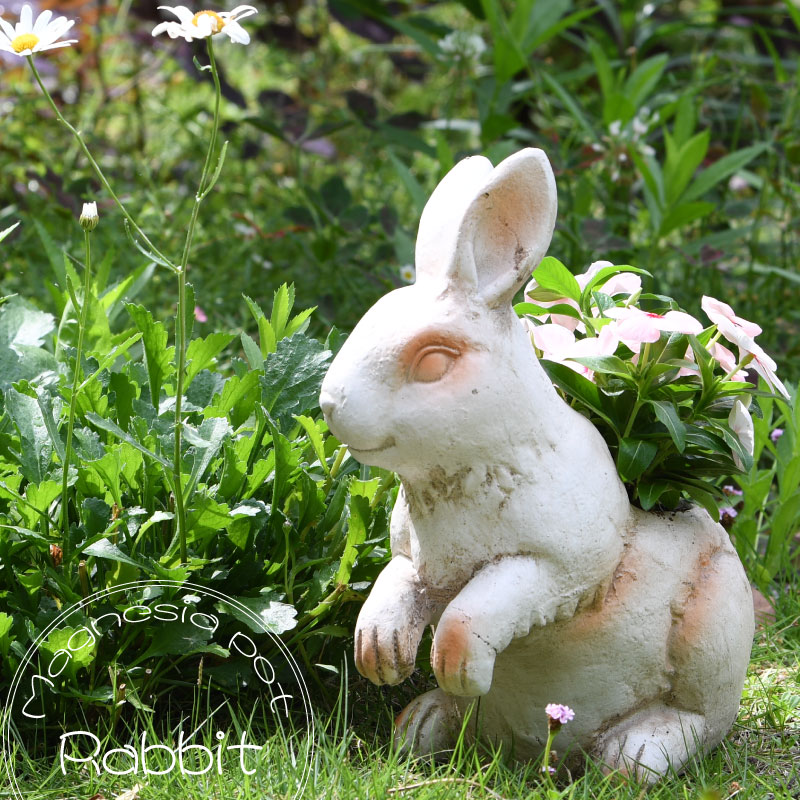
[352, 757]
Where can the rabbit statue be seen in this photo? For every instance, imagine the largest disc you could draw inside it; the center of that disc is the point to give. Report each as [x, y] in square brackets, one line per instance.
[512, 533]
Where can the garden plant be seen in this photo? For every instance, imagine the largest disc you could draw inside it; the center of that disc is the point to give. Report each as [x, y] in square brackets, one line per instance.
[197, 206]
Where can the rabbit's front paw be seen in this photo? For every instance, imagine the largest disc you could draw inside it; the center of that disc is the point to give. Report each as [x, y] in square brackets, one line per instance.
[383, 653]
[462, 661]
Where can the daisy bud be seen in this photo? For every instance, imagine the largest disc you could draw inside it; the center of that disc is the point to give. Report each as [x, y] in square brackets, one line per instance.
[89, 218]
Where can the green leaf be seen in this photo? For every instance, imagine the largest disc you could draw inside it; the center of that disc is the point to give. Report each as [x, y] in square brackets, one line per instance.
[608, 365]
[206, 440]
[201, 353]
[36, 448]
[553, 275]
[602, 276]
[644, 79]
[292, 377]
[649, 492]
[580, 388]
[7, 231]
[285, 460]
[704, 498]
[315, 437]
[237, 399]
[356, 534]
[158, 357]
[634, 457]
[683, 161]
[537, 311]
[272, 615]
[111, 427]
[684, 214]
[252, 351]
[667, 414]
[722, 169]
[109, 551]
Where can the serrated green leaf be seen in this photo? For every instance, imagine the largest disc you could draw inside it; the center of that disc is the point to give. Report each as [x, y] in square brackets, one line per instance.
[356, 534]
[252, 352]
[112, 427]
[158, 357]
[36, 447]
[315, 437]
[201, 353]
[292, 377]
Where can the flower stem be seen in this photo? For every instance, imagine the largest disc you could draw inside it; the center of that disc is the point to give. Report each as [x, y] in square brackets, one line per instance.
[180, 320]
[96, 167]
[76, 379]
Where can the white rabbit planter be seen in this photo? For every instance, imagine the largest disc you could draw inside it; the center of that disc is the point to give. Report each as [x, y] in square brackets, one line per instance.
[512, 531]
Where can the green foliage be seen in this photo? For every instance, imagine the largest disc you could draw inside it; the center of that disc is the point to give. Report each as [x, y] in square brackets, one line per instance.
[278, 516]
[661, 391]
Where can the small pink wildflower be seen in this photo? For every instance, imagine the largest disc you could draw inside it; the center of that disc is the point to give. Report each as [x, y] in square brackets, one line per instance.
[728, 511]
[732, 491]
[200, 315]
[559, 714]
[776, 434]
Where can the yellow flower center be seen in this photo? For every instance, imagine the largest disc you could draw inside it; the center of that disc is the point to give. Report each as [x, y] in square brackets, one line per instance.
[217, 23]
[27, 41]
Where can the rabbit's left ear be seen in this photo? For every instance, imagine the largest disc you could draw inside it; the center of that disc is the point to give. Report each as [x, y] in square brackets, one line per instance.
[507, 227]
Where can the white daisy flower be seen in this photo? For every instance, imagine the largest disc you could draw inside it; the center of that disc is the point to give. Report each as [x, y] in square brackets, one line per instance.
[89, 217]
[408, 273]
[206, 23]
[29, 37]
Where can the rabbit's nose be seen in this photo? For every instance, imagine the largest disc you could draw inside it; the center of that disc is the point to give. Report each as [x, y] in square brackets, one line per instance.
[327, 404]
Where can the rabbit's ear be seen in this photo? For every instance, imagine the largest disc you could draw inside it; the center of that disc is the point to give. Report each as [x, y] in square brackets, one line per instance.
[484, 229]
[437, 239]
[507, 228]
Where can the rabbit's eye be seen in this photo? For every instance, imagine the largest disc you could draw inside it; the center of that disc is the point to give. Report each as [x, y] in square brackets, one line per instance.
[432, 364]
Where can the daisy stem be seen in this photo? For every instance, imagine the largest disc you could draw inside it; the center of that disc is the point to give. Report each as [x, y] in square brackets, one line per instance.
[96, 167]
[76, 379]
[180, 321]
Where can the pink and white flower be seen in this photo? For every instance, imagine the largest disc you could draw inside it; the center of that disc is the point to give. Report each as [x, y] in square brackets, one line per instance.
[559, 344]
[636, 326]
[761, 362]
[723, 316]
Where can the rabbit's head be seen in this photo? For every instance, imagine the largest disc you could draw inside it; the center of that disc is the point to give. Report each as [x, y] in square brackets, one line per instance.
[441, 369]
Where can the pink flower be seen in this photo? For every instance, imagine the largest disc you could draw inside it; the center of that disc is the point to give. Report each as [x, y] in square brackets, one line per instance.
[559, 344]
[200, 315]
[637, 326]
[558, 713]
[732, 491]
[622, 283]
[776, 434]
[728, 511]
[727, 360]
[761, 362]
[721, 313]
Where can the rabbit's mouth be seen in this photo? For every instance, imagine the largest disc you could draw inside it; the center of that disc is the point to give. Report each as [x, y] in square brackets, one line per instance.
[389, 442]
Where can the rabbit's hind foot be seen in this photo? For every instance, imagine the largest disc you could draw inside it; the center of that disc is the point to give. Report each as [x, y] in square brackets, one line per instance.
[428, 725]
[651, 742]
